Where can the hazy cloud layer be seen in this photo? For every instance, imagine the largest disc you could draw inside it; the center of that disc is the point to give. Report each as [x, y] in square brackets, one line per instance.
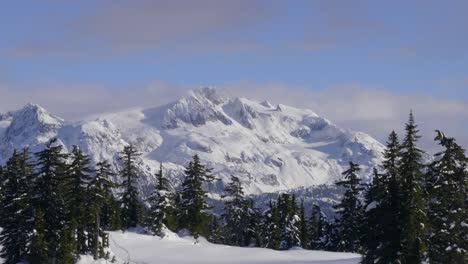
[374, 111]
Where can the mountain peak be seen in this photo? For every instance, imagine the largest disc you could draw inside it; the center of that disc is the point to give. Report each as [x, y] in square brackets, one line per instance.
[209, 93]
[35, 112]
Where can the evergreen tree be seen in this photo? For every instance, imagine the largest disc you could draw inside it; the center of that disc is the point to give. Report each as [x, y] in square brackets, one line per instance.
[192, 204]
[289, 221]
[413, 217]
[160, 204]
[48, 195]
[110, 208]
[318, 228]
[271, 227]
[236, 214]
[374, 217]
[303, 229]
[100, 190]
[216, 232]
[447, 185]
[349, 211]
[16, 232]
[130, 204]
[77, 195]
[39, 252]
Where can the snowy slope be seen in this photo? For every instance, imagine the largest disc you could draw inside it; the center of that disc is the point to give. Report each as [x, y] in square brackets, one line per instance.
[270, 148]
[135, 248]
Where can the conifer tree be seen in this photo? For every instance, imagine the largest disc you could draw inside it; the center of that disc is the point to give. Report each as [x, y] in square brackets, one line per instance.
[100, 190]
[374, 218]
[77, 196]
[193, 205]
[48, 195]
[160, 203]
[110, 209]
[129, 200]
[271, 227]
[318, 227]
[236, 214]
[16, 232]
[413, 217]
[303, 229]
[446, 182]
[289, 221]
[39, 251]
[349, 211]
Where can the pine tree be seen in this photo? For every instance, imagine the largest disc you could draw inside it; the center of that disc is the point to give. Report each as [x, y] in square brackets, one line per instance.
[271, 227]
[77, 195]
[303, 229]
[446, 182]
[216, 232]
[100, 196]
[39, 252]
[130, 204]
[374, 218]
[160, 203]
[192, 205]
[289, 221]
[16, 232]
[236, 214]
[318, 228]
[391, 223]
[110, 209]
[48, 194]
[412, 214]
[349, 211]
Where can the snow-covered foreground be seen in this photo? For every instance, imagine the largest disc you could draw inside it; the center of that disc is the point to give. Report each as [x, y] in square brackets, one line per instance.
[143, 249]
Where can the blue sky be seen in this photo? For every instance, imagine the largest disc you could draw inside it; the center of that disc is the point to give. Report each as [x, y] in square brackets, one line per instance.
[402, 49]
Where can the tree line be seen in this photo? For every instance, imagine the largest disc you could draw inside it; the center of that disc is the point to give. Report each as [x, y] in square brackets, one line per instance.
[55, 207]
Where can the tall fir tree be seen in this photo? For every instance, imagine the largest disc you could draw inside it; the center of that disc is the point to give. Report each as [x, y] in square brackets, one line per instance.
[77, 195]
[271, 228]
[193, 205]
[161, 204]
[99, 199]
[16, 232]
[130, 204]
[446, 182]
[349, 211]
[303, 227]
[236, 214]
[48, 195]
[289, 221]
[413, 216]
[110, 210]
[317, 230]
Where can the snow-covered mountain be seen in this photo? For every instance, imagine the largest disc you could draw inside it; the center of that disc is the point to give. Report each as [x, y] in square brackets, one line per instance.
[270, 148]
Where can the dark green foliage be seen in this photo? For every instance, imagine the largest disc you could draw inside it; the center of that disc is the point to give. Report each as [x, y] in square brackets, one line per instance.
[446, 182]
[413, 217]
[17, 209]
[383, 231]
[192, 204]
[161, 204]
[78, 197]
[99, 200]
[289, 221]
[237, 214]
[271, 227]
[130, 211]
[303, 228]
[39, 252]
[48, 194]
[350, 212]
[317, 229]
